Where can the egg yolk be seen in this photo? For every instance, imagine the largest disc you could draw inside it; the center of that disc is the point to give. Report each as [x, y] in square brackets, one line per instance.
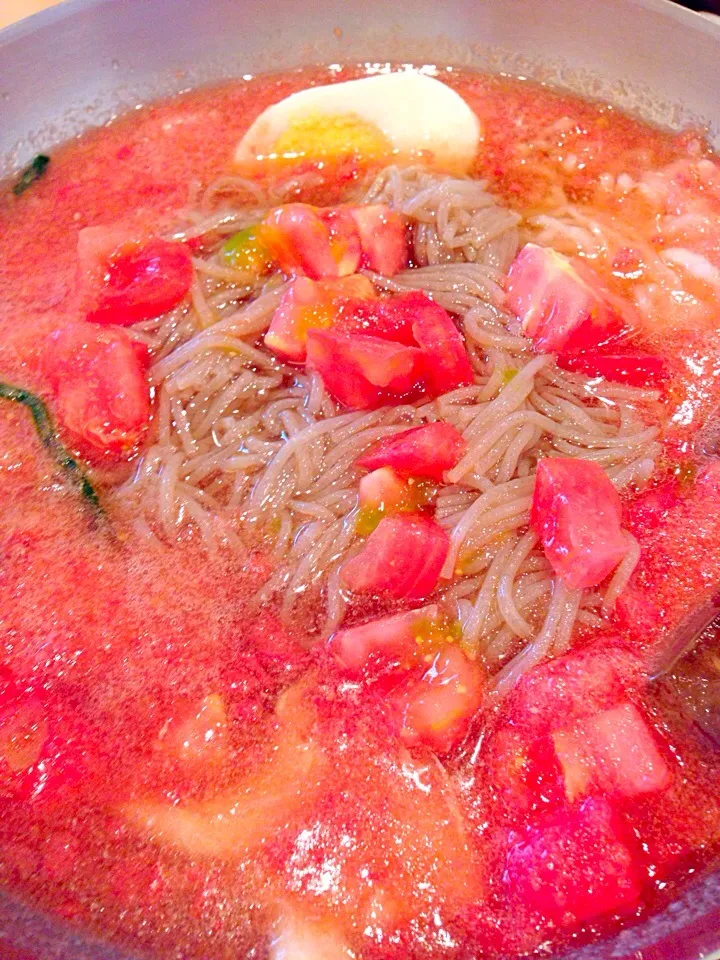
[330, 137]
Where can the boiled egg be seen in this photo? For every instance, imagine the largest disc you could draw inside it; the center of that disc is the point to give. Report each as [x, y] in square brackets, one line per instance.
[406, 115]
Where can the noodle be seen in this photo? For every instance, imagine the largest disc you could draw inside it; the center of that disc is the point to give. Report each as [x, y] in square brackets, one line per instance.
[249, 450]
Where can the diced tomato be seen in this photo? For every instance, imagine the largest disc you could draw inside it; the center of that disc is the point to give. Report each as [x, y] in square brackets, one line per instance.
[101, 390]
[574, 687]
[577, 514]
[364, 372]
[129, 280]
[437, 364]
[415, 319]
[311, 305]
[344, 239]
[614, 751]
[196, 734]
[383, 317]
[436, 709]
[426, 451]
[313, 241]
[561, 303]
[397, 637]
[574, 868]
[383, 237]
[447, 364]
[635, 369]
[402, 558]
[383, 492]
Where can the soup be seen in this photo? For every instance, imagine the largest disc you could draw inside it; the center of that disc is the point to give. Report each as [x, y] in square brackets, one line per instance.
[360, 506]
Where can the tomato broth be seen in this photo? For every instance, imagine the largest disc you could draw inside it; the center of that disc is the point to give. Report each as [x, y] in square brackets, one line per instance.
[237, 721]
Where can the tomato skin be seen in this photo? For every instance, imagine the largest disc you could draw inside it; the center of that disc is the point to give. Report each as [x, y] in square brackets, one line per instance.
[402, 558]
[561, 303]
[393, 637]
[447, 364]
[313, 242]
[102, 397]
[383, 238]
[436, 709]
[311, 304]
[634, 369]
[575, 867]
[363, 372]
[577, 514]
[426, 451]
[127, 280]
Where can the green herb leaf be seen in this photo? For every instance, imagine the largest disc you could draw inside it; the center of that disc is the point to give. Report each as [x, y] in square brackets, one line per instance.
[32, 172]
[49, 439]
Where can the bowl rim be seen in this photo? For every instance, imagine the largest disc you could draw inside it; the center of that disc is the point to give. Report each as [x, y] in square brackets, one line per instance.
[69, 8]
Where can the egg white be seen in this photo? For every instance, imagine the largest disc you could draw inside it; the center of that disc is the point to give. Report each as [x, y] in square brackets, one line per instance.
[417, 114]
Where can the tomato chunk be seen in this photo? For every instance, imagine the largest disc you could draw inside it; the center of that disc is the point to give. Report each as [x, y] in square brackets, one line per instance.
[385, 318]
[436, 709]
[311, 241]
[402, 558]
[128, 280]
[447, 364]
[426, 451]
[101, 390]
[614, 751]
[561, 303]
[427, 334]
[383, 492]
[574, 868]
[383, 489]
[383, 238]
[576, 512]
[634, 369]
[396, 637]
[311, 305]
[364, 372]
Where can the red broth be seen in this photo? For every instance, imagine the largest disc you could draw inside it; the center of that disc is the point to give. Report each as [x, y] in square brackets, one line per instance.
[130, 650]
